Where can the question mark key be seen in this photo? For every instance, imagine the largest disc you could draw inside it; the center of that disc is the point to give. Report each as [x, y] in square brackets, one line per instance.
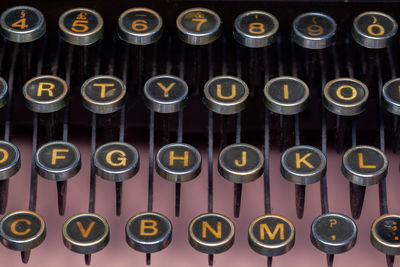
[333, 233]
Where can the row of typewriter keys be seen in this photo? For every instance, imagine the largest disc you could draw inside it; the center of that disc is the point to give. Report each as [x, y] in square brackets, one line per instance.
[118, 161]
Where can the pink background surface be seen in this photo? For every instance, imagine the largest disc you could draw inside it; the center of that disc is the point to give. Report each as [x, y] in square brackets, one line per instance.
[194, 202]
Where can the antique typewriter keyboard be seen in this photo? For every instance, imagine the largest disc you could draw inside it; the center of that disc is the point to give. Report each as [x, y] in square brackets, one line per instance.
[199, 133]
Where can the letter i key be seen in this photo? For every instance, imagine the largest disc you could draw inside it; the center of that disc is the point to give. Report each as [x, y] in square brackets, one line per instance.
[288, 96]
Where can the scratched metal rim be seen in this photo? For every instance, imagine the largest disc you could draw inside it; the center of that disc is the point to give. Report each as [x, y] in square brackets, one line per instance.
[27, 244]
[103, 107]
[25, 36]
[383, 246]
[369, 41]
[303, 178]
[81, 39]
[313, 42]
[240, 177]
[139, 38]
[86, 247]
[271, 250]
[148, 246]
[215, 247]
[194, 38]
[363, 179]
[165, 106]
[113, 175]
[330, 247]
[255, 41]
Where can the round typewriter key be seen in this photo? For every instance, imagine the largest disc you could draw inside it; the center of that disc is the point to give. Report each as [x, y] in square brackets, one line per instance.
[45, 94]
[313, 30]
[178, 162]
[225, 95]
[140, 26]
[345, 96]
[241, 163]
[391, 96]
[22, 24]
[333, 233]
[86, 233]
[303, 165]
[103, 94]
[148, 232]
[211, 233]
[198, 26]
[271, 235]
[385, 234]
[165, 93]
[10, 161]
[255, 29]
[80, 26]
[286, 95]
[364, 165]
[22, 230]
[116, 161]
[374, 29]
[58, 161]
[3, 92]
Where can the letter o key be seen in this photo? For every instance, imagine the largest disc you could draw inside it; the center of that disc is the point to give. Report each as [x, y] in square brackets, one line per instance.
[345, 96]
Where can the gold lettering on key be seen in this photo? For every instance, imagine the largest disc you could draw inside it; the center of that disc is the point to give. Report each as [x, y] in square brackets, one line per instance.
[121, 158]
[206, 226]
[244, 160]
[264, 228]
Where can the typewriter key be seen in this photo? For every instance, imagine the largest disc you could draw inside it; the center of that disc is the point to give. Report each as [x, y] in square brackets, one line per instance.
[148, 232]
[22, 230]
[58, 161]
[45, 94]
[10, 161]
[314, 30]
[22, 24]
[255, 29]
[391, 96]
[103, 94]
[178, 162]
[374, 29]
[225, 95]
[303, 165]
[241, 163]
[198, 26]
[140, 26]
[3, 92]
[286, 95]
[165, 93]
[385, 234]
[333, 233]
[271, 235]
[80, 26]
[345, 96]
[116, 161]
[211, 233]
[364, 165]
[86, 233]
